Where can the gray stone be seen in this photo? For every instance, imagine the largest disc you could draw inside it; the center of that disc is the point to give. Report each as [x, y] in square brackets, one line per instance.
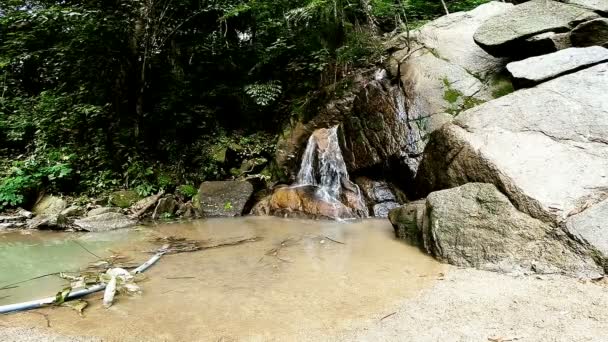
[12, 225]
[227, 198]
[594, 32]
[102, 210]
[124, 198]
[73, 211]
[49, 206]
[104, 222]
[545, 43]
[12, 218]
[503, 34]
[381, 210]
[165, 206]
[186, 210]
[546, 147]
[407, 221]
[591, 227]
[477, 226]
[600, 6]
[539, 69]
[376, 191]
[451, 38]
[25, 213]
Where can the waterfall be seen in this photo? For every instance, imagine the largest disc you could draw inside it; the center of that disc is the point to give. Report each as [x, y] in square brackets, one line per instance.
[400, 105]
[323, 166]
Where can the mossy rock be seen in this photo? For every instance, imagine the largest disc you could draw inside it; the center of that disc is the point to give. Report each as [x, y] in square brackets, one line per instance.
[124, 198]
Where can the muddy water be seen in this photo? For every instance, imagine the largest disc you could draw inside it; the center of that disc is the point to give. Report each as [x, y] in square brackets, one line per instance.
[30, 254]
[301, 275]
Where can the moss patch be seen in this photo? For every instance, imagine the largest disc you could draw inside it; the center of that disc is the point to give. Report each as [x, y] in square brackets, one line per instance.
[457, 101]
[501, 86]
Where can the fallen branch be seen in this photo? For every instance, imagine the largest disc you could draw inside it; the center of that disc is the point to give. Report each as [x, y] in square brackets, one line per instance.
[182, 245]
[12, 286]
[177, 278]
[147, 206]
[233, 243]
[387, 316]
[284, 244]
[336, 241]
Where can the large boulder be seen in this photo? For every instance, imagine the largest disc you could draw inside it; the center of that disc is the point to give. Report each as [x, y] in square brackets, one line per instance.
[594, 32]
[505, 33]
[227, 198]
[104, 222]
[451, 38]
[306, 201]
[166, 207]
[539, 69]
[546, 148]
[49, 206]
[124, 198]
[477, 226]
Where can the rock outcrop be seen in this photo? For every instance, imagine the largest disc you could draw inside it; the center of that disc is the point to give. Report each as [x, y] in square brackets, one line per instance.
[385, 120]
[505, 34]
[49, 206]
[594, 32]
[381, 196]
[228, 198]
[535, 70]
[477, 226]
[306, 201]
[546, 148]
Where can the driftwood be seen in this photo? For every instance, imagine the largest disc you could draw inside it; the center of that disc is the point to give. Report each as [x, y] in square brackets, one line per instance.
[181, 245]
[141, 207]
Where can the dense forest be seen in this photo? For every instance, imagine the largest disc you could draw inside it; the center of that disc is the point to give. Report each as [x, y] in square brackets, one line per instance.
[98, 95]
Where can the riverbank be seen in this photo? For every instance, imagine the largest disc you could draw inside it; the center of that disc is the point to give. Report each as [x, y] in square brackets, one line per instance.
[320, 281]
[462, 305]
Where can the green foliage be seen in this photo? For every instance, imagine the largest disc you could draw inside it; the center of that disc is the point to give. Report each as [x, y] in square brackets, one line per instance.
[25, 177]
[264, 94]
[227, 206]
[187, 190]
[141, 94]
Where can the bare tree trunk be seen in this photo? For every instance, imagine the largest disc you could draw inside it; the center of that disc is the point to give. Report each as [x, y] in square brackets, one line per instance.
[445, 7]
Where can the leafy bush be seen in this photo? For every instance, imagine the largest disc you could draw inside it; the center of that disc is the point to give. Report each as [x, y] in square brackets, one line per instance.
[187, 190]
[26, 177]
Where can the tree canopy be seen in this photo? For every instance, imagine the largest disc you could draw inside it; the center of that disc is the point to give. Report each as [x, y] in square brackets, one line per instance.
[99, 94]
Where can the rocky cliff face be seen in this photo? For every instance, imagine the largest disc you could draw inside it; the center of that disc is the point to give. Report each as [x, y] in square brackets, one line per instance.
[543, 147]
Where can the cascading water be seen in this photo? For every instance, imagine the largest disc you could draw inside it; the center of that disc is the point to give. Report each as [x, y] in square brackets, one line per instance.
[323, 166]
[322, 162]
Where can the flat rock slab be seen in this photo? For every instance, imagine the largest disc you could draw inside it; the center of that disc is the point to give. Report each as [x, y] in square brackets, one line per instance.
[546, 147]
[600, 6]
[534, 70]
[227, 198]
[104, 222]
[451, 38]
[501, 34]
